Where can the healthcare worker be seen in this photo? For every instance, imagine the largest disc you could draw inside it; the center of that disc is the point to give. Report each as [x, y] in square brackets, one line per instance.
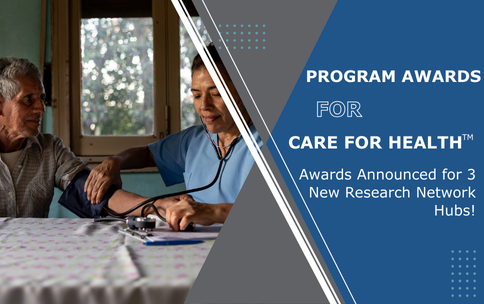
[190, 157]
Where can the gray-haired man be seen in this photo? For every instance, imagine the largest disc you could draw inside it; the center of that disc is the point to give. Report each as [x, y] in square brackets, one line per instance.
[31, 163]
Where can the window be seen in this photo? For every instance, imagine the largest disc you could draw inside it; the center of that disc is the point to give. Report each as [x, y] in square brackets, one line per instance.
[116, 74]
[189, 116]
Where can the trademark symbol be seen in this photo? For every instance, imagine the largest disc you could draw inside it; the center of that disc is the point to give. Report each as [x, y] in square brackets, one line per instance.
[468, 136]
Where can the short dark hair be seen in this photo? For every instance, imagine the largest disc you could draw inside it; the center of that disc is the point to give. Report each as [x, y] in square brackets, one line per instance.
[198, 63]
[11, 69]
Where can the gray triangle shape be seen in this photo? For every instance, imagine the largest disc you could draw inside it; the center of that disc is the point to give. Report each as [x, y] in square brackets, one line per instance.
[256, 258]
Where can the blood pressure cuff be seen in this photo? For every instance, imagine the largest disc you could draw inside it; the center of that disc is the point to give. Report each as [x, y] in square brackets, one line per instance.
[75, 199]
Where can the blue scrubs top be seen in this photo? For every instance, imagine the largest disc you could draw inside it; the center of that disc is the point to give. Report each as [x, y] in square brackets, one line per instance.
[188, 156]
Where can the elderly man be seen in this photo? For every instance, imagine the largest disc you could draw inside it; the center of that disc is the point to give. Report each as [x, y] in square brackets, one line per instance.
[31, 163]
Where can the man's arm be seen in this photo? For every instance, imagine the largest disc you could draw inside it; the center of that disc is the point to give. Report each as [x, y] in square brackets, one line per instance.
[67, 164]
[122, 201]
[178, 211]
[109, 171]
[75, 200]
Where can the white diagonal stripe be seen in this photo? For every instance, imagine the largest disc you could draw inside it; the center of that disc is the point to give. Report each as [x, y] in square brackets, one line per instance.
[259, 158]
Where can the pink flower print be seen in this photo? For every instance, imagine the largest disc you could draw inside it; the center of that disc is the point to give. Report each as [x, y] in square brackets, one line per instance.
[83, 266]
[179, 265]
[132, 275]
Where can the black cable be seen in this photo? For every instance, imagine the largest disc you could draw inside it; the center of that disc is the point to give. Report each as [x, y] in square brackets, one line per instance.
[122, 214]
[147, 206]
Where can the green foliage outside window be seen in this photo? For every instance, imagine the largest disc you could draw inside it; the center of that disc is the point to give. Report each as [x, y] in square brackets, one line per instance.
[117, 76]
[187, 53]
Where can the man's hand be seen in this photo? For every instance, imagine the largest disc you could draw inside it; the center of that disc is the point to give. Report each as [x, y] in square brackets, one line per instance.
[101, 178]
[187, 211]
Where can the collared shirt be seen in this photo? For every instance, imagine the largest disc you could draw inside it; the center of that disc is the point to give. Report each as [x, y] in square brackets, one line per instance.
[188, 156]
[45, 163]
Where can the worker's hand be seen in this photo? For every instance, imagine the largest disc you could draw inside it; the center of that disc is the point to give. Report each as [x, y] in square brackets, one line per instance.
[188, 211]
[164, 203]
[101, 178]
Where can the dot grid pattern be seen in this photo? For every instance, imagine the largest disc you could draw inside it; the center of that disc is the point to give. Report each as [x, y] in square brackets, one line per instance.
[242, 36]
[463, 273]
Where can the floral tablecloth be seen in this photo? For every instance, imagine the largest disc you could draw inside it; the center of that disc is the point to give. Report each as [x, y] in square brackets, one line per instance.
[80, 261]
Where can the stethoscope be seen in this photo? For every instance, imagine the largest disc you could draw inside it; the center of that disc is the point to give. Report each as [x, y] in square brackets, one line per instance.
[148, 203]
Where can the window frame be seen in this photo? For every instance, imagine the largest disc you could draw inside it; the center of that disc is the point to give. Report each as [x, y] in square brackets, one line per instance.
[66, 81]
